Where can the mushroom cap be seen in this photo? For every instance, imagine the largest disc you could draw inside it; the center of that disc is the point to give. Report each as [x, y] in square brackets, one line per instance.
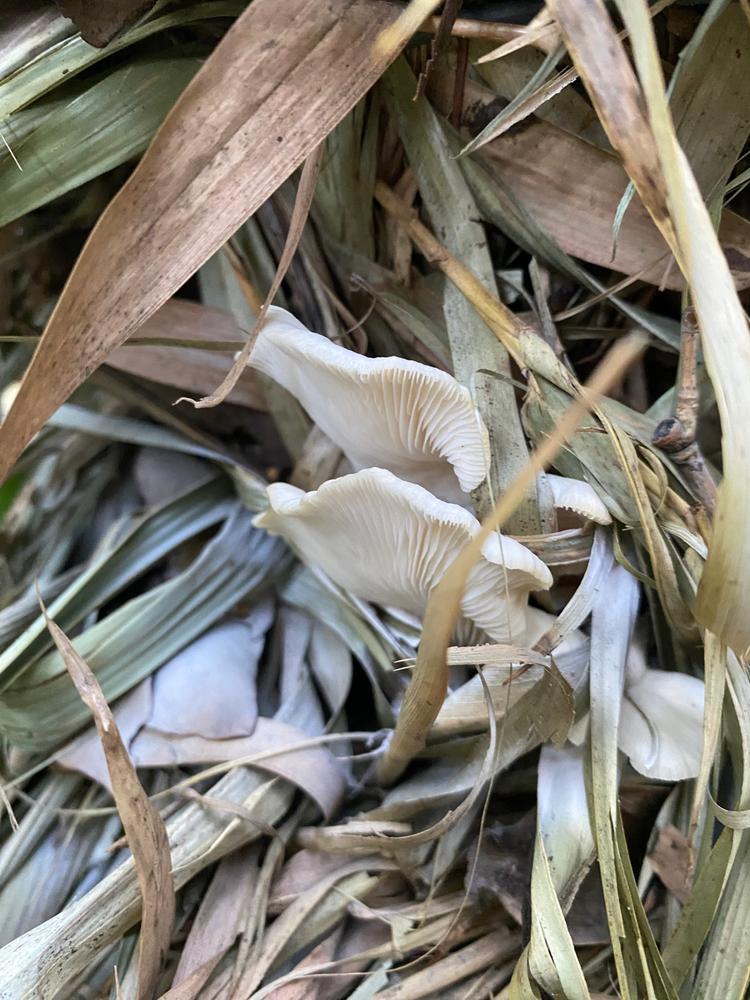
[414, 420]
[661, 724]
[390, 542]
[577, 496]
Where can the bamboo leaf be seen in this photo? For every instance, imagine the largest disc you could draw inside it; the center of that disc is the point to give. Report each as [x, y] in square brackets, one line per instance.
[57, 52]
[87, 133]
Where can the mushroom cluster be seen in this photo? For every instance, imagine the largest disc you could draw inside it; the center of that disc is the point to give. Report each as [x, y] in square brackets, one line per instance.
[387, 531]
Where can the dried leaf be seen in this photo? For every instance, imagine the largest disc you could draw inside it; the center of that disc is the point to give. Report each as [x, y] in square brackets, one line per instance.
[99, 22]
[490, 949]
[193, 369]
[550, 170]
[227, 144]
[42, 961]
[218, 920]
[313, 769]
[671, 860]
[162, 475]
[143, 826]
[710, 101]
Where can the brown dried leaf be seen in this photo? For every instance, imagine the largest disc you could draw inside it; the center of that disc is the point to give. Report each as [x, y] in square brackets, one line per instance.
[192, 369]
[309, 989]
[672, 862]
[710, 103]
[99, 22]
[217, 922]
[491, 949]
[606, 71]
[551, 171]
[143, 826]
[299, 873]
[279, 81]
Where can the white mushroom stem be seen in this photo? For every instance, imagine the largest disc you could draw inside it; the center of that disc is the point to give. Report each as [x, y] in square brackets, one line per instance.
[390, 542]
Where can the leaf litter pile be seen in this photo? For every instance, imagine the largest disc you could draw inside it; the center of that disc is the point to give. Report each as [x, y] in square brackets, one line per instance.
[405, 656]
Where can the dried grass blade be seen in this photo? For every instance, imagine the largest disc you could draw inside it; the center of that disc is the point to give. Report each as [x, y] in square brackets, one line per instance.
[541, 33]
[279, 81]
[611, 626]
[143, 826]
[715, 657]
[393, 38]
[302, 204]
[490, 949]
[276, 936]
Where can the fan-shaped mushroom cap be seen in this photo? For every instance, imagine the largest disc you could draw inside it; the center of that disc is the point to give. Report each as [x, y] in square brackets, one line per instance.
[661, 720]
[578, 497]
[409, 418]
[390, 542]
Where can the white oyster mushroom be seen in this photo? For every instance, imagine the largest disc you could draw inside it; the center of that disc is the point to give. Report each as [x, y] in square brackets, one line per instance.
[403, 416]
[578, 497]
[414, 420]
[661, 720]
[390, 542]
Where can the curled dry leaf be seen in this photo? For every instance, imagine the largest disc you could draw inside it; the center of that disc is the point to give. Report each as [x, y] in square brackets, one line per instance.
[260, 104]
[390, 542]
[409, 418]
[302, 204]
[143, 826]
